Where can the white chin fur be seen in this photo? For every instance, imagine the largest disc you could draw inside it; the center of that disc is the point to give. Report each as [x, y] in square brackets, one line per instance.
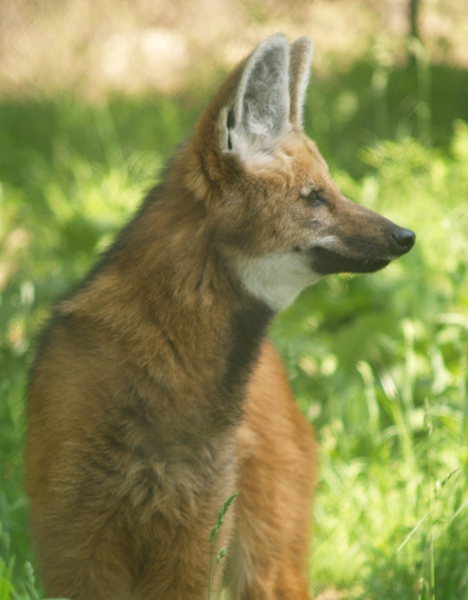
[276, 279]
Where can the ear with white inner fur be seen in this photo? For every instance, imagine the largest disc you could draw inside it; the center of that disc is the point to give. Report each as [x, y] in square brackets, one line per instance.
[259, 113]
[299, 72]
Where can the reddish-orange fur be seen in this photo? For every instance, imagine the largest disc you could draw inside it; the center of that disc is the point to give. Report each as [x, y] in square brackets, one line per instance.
[156, 395]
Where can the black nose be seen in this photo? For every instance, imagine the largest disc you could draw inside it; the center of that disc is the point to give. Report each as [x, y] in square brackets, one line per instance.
[404, 238]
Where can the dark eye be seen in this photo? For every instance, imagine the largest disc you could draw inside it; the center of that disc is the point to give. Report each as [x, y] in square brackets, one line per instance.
[315, 198]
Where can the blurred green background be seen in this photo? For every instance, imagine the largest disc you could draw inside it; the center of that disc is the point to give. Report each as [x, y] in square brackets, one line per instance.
[96, 96]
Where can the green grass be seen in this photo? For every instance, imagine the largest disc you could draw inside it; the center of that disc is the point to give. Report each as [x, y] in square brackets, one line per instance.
[378, 363]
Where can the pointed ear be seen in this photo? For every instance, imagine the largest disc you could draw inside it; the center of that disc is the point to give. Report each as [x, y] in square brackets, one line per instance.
[259, 112]
[299, 72]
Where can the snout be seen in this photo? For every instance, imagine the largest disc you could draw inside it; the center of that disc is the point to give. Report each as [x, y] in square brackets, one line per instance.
[367, 243]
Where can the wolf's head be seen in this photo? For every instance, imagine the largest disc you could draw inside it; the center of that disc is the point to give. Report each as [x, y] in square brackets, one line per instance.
[275, 211]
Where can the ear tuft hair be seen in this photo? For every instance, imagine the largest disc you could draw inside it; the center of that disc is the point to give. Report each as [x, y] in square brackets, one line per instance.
[299, 72]
[259, 113]
[269, 97]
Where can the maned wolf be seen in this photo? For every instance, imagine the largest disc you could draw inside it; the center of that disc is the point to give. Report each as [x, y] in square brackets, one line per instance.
[156, 395]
